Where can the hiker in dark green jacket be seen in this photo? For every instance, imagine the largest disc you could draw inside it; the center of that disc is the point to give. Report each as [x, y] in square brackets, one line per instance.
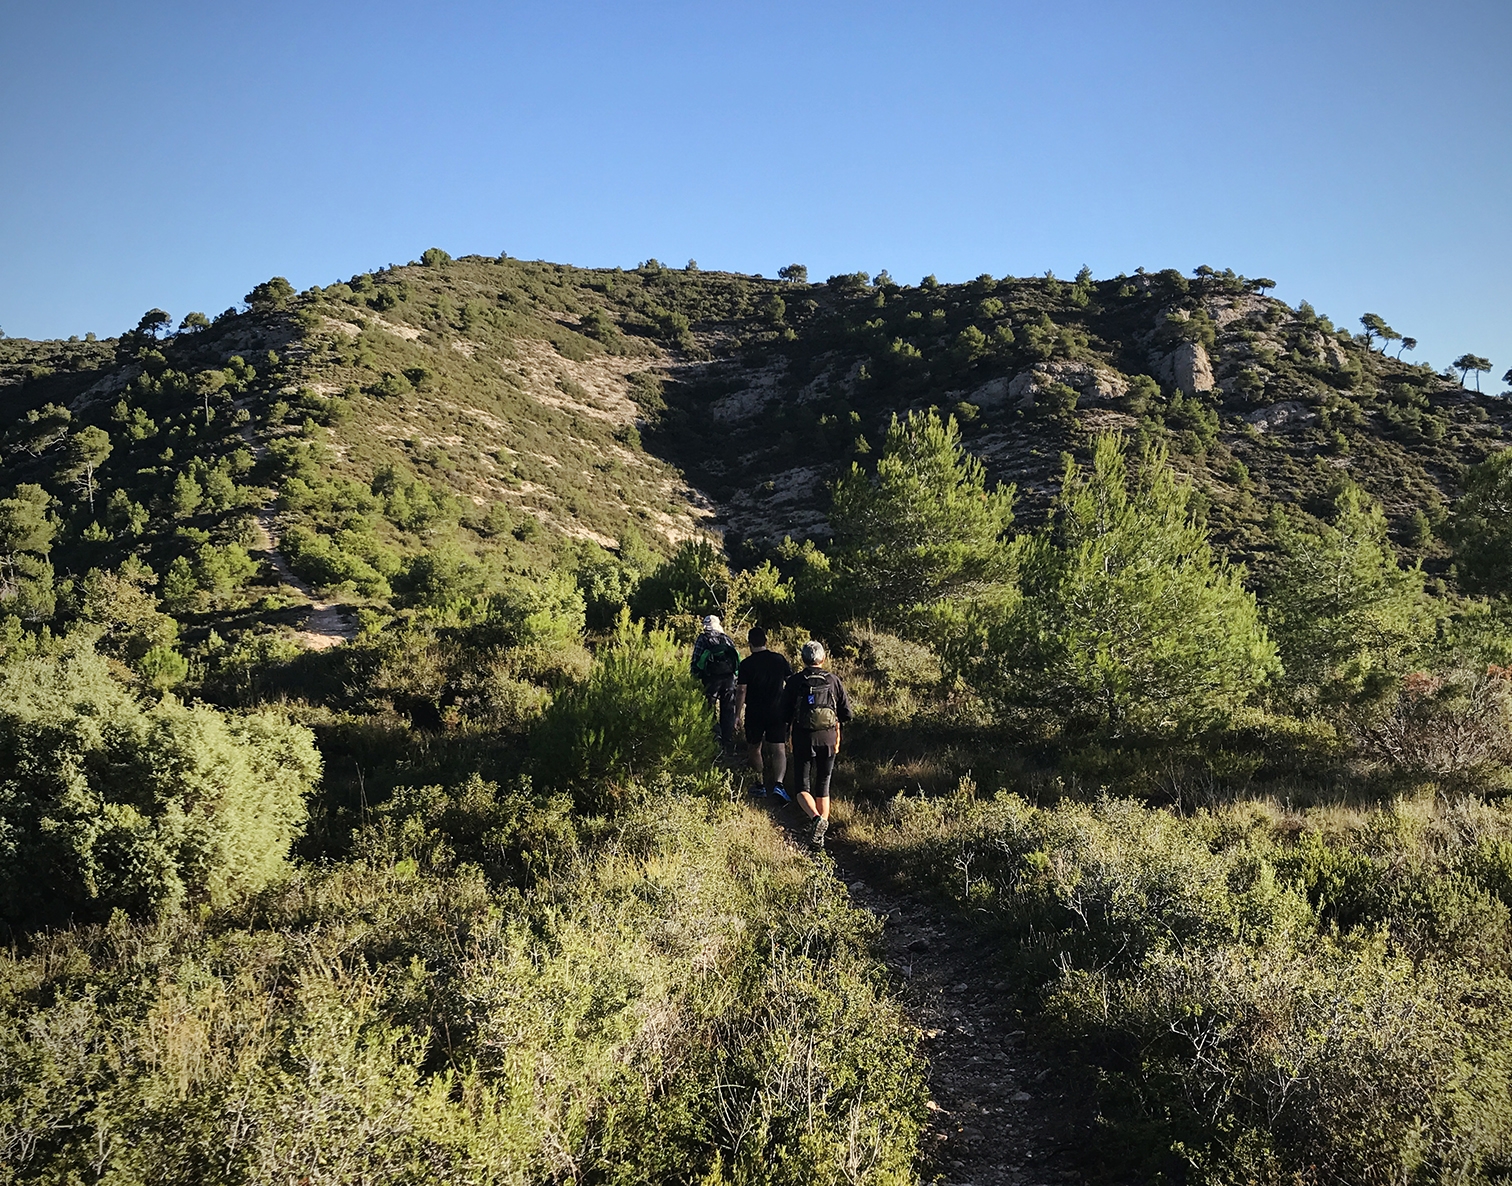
[714, 663]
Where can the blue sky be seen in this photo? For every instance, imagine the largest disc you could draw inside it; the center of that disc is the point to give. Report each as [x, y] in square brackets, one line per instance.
[175, 154]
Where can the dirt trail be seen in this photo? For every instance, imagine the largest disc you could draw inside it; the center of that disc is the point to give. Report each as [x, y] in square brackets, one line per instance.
[327, 626]
[1000, 1114]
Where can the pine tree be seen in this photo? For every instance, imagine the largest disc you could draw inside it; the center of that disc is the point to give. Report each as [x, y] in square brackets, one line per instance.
[1482, 528]
[26, 534]
[1467, 363]
[923, 527]
[1345, 614]
[1128, 622]
[87, 451]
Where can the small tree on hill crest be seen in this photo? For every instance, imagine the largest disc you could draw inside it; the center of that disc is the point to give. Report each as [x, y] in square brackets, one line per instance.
[1466, 363]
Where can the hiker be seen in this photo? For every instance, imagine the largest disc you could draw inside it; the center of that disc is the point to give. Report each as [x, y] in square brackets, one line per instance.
[814, 703]
[714, 663]
[758, 690]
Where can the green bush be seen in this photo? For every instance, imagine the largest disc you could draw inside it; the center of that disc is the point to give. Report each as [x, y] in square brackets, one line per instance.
[1265, 997]
[1128, 622]
[1347, 617]
[677, 997]
[107, 803]
[323, 562]
[1482, 527]
[638, 716]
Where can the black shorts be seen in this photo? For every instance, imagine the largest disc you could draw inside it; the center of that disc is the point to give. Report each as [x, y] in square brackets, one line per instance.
[758, 730]
[814, 761]
[809, 746]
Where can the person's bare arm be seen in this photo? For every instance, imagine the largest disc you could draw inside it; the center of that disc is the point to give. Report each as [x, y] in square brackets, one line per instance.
[740, 690]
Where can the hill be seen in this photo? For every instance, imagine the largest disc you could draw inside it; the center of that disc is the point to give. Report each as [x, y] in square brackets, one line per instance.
[484, 400]
[360, 820]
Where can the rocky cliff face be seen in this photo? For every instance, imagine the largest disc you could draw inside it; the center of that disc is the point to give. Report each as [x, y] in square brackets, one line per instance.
[1188, 368]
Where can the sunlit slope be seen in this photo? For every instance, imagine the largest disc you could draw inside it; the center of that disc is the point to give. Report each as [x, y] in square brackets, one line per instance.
[500, 411]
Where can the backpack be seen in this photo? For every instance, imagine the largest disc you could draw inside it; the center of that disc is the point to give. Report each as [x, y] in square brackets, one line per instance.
[816, 707]
[720, 659]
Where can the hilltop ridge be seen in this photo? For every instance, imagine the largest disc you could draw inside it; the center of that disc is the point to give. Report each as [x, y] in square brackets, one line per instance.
[507, 409]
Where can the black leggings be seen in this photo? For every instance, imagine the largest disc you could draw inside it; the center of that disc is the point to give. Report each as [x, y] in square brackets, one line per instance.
[815, 765]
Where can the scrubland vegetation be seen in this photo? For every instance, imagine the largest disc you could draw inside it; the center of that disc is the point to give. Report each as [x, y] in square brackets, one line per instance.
[1193, 703]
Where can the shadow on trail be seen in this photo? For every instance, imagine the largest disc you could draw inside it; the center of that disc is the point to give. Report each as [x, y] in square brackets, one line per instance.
[1002, 1113]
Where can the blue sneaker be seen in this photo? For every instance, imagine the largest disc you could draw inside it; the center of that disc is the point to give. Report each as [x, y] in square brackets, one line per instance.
[759, 791]
[779, 792]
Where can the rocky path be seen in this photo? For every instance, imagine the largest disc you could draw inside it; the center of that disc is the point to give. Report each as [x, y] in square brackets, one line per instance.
[328, 625]
[1000, 1114]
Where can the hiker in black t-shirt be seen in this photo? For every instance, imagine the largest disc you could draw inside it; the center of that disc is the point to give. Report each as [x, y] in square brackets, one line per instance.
[758, 689]
[814, 703]
[714, 663]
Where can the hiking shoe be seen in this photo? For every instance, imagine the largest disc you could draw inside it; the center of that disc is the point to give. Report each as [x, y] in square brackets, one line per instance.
[821, 826]
[780, 794]
[759, 791]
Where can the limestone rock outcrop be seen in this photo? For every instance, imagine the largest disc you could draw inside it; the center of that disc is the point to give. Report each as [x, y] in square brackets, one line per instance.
[1092, 382]
[1287, 412]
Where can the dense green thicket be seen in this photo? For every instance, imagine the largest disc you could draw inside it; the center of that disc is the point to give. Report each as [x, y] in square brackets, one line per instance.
[107, 803]
[636, 717]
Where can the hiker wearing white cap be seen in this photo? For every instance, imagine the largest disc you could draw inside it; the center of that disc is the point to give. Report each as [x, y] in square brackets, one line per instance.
[714, 663]
[814, 703]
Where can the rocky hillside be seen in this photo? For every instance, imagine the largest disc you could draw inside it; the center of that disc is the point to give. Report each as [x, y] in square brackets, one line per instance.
[508, 414]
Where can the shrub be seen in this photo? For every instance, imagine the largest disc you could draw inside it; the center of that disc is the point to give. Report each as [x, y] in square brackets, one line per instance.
[321, 561]
[1260, 1006]
[637, 716]
[107, 803]
[1128, 622]
[1346, 616]
[685, 583]
[680, 997]
[1456, 724]
[1482, 527]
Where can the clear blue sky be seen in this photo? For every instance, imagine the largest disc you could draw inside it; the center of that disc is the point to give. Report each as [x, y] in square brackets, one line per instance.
[175, 154]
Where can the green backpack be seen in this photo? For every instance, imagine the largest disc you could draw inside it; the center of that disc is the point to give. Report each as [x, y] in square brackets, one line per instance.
[816, 707]
[719, 660]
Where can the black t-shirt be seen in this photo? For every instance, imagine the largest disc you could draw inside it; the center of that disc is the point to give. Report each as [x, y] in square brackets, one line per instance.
[764, 674]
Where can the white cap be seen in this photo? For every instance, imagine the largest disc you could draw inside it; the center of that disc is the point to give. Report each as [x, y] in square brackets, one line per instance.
[711, 624]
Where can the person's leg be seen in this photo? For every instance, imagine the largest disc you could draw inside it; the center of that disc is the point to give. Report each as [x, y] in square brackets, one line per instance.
[711, 696]
[824, 767]
[727, 715]
[775, 753]
[754, 733]
[803, 759]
